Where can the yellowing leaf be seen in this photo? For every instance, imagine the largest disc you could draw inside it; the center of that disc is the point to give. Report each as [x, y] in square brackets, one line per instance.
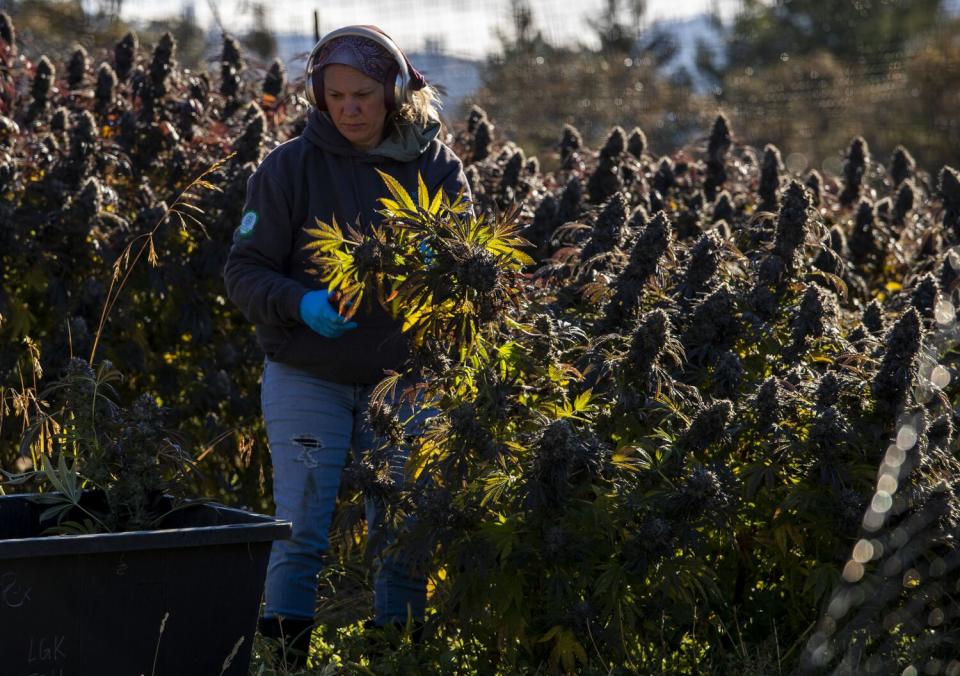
[437, 201]
[398, 191]
[423, 194]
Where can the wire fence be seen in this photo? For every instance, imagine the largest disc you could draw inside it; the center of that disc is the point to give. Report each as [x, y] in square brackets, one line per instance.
[463, 28]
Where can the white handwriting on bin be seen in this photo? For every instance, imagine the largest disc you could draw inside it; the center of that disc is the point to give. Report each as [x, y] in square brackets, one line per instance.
[46, 649]
[12, 593]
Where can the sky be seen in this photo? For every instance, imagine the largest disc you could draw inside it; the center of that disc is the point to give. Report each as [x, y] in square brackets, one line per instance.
[463, 27]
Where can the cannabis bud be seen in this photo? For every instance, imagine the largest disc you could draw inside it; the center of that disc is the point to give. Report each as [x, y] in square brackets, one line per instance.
[570, 143]
[7, 32]
[231, 65]
[646, 345]
[703, 263]
[902, 165]
[544, 222]
[925, 295]
[59, 121]
[511, 172]
[850, 506]
[478, 271]
[723, 208]
[854, 167]
[949, 188]
[106, 84]
[792, 222]
[829, 435]
[768, 404]
[124, 55]
[717, 147]
[898, 368]
[605, 180]
[615, 144]
[77, 68]
[654, 540]
[770, 172]
[373, 479]
[41, 86]
[814, 184]
[940, 432]
[250, 142]
[728, 375]
[637, 142]
[828, 390]
[664, 178]
[713, 327]
[863, 240]
[571, 201]
[482, 140]
[817, 308]
[609, 229]
[275, 80]
[873, 318]
[162, 63]
[385, 422]
[704, 492]
[474, 117]
[652, 243]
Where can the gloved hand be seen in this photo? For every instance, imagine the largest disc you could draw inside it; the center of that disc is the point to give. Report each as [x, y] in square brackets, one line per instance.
[317, 313]
[427, 252]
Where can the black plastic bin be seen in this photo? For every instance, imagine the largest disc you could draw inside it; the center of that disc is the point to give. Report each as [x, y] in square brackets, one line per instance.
[93, 605]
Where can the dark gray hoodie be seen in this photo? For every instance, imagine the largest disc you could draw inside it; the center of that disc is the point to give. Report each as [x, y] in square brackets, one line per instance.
[319, 175]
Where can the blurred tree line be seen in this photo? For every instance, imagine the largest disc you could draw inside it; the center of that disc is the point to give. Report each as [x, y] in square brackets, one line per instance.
[804, 75]
[57, 27]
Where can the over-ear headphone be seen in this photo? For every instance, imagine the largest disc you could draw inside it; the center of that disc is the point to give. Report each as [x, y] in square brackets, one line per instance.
[394, 96]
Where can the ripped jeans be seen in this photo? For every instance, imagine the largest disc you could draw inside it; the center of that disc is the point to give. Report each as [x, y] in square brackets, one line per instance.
[311, 425]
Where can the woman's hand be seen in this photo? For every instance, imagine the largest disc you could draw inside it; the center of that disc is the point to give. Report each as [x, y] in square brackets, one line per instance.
[317, 313]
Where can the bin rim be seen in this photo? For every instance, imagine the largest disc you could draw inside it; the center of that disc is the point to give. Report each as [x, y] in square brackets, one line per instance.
[252, 528]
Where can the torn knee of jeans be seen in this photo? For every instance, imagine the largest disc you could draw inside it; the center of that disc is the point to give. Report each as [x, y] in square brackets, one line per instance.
[307, 441]
[309, 444]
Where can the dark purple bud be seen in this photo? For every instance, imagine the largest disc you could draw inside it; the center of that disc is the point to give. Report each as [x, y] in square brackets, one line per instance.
[124, 55]
[902, 165]
[814, 184]
[482, 140]
[474, 117]
[898, 367]
[792, 222]
[275, 80]
[854, 168]
[77, 68]
[770, 171]
[637, 143]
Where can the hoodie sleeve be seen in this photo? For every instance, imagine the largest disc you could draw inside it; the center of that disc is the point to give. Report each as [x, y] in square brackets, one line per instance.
[448, 170]
[255, 271]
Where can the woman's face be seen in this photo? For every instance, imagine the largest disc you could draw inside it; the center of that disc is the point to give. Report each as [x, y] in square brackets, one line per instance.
[356, 105]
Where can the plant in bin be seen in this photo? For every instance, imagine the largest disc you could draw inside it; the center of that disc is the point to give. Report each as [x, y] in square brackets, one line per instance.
[101, 466]
[111, 468]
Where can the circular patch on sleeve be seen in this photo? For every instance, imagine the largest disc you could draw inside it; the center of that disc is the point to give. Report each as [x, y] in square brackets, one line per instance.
[247, 224]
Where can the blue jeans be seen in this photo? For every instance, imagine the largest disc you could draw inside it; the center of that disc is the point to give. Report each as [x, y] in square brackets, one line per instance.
[311, 425]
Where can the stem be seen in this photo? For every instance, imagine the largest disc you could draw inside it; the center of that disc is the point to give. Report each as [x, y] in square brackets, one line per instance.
[112, 296]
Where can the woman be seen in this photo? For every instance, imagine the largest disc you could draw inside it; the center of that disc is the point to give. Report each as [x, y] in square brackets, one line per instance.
[372, 110]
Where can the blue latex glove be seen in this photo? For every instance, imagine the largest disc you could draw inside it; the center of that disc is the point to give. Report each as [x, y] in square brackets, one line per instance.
[317, 313]
[427, 252]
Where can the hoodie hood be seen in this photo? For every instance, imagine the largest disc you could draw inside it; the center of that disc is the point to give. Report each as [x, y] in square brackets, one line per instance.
[405, 142]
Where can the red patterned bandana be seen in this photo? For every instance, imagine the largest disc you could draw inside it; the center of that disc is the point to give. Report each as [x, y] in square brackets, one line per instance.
[361, 53]
[368, 56]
